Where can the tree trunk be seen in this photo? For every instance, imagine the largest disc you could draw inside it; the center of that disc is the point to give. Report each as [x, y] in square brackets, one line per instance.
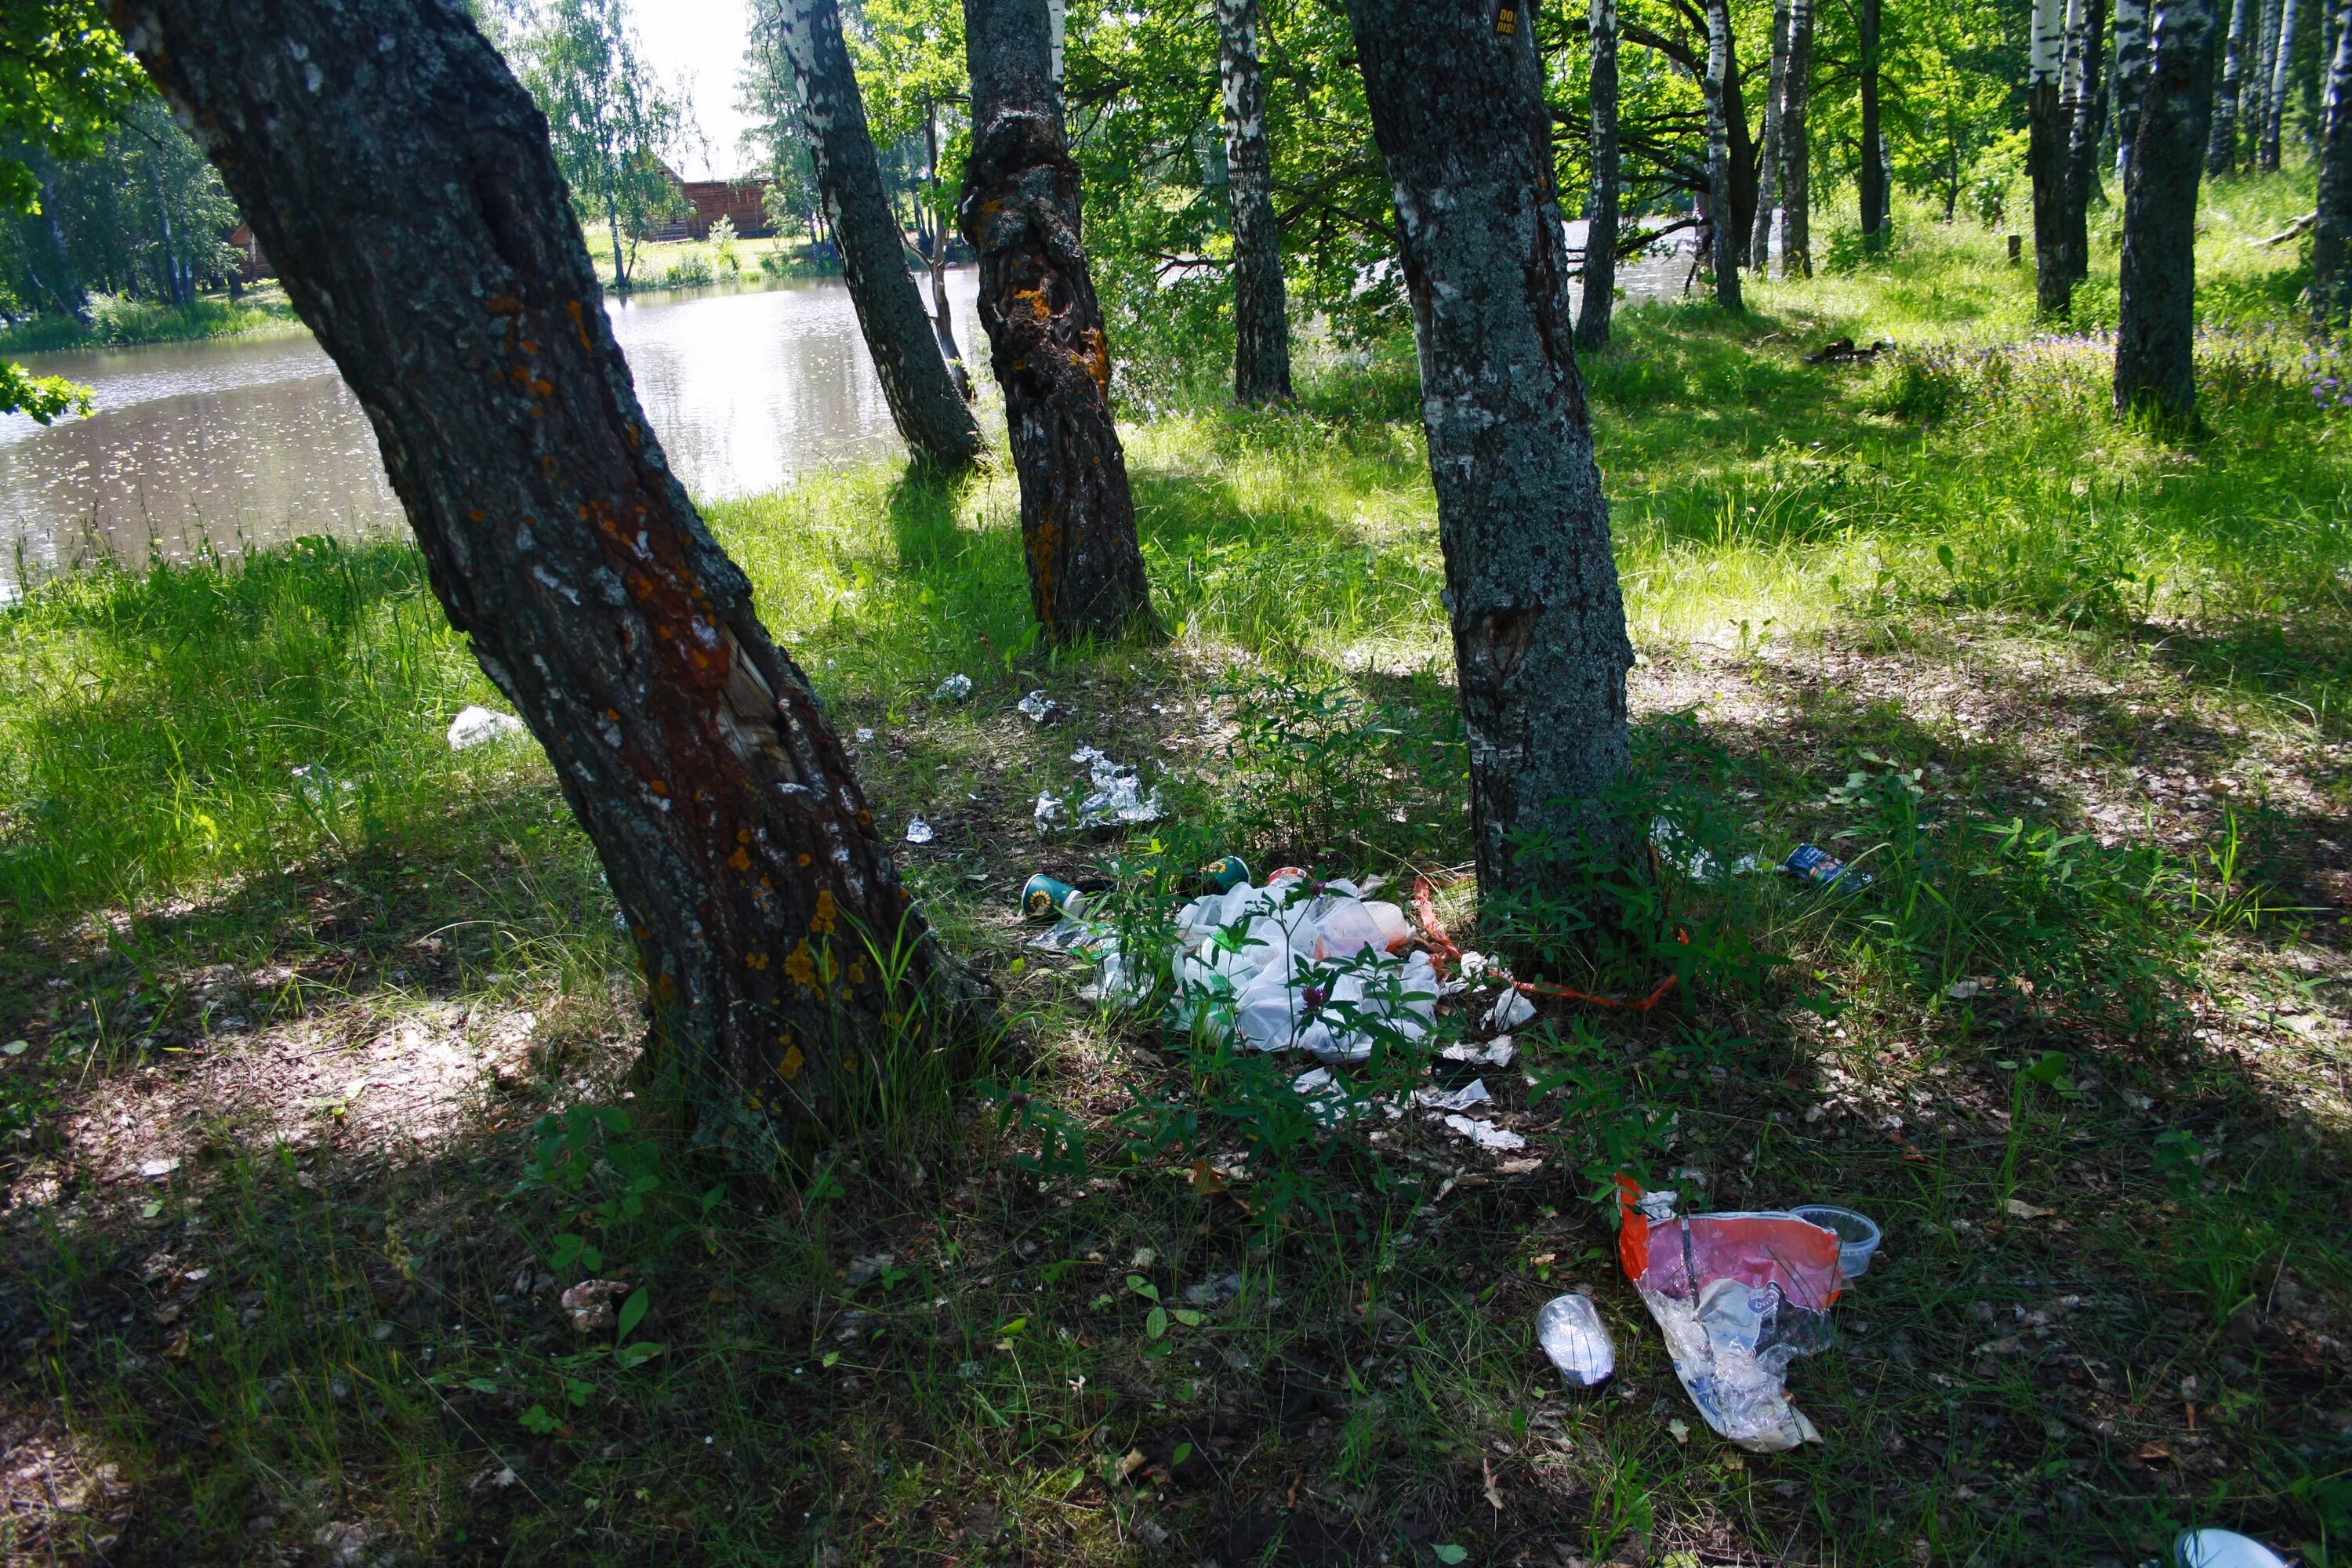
[2156, 326]
[2331, 232]
[62, 283]
[1261, 314]
[2045, 160]
[2274, 101]
[402, 181]
[2081, 83]
[1727, 237]
[900, 337]
[2131, 76]
[1020, 212]
[1540, 644]
[1600, 213]
[1873, 150]
[942, 313]
[1768, 163]
[1796, 147]
[2221, 142]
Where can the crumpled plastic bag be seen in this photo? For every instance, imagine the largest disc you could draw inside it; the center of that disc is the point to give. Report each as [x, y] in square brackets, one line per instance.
[1300, 966]
[1738, 1296]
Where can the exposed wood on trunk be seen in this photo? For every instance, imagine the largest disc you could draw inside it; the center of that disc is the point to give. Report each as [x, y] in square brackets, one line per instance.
[2156, 326]
[2045, 158]
[1873, 177]
[2331, 241]
[1600, 226]
[1795, 146]
[2282, 66]
[2087, 26]
[401, 179]
[1261, 312]
[1020, 211]
[1768, 158]
[1727, 236]
[900, 336]
[2221, 142]
[1539, 642]
[942, 313]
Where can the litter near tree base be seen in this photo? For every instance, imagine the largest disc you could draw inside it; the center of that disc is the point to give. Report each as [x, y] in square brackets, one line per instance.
[954, 689]
[1572, 1335]
[478, 726]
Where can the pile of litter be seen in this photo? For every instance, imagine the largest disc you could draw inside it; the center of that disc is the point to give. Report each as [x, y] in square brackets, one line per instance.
[1118, 799]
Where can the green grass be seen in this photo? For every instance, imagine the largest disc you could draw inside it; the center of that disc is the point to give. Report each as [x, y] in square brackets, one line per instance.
[120, 322]
[2071, 694]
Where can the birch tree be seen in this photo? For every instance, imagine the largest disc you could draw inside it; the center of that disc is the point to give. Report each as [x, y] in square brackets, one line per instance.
[1768, 159]
[1540, 643]
[2045, 156]
[2079, 102]
[2281, 64]
[1020, 212]
[2156, 322]
[609, 118]
[1872, 178]
[2331, 232]
[2221, 142]
[804, 37]
[1261, 312]
[1600, 227]
[2131, 75]
[1723, 231]
[1795, 146]
[402, 181]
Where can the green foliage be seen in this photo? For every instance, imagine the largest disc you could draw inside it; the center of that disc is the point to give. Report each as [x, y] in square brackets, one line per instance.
[45, 398]
[64, 81]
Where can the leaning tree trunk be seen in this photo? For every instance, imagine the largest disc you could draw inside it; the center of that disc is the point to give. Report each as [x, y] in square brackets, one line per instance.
[2222, 141]
[1540, 644]
[1600, 227]
[2331, 232]
[2131, 77]
[1020, 211]
[2087, 26]
[1795, 146]
[1261, 314]
[402, 182]
[2156, 329]
[902, 340]
[1723, 227]
[1873, 176]
[2045, 160]
[1768, 163]
[2274, 100]
[942, 312]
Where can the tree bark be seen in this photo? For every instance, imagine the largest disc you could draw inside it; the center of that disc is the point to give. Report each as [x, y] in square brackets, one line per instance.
[1539, 642]
[2046, 159]
[2157, 325]
[1601, 226]
[401, 179]
[1261, 312]
[2131, 76]
[1796, 147]
[1767, 162]
[1728, 234]
[2080, 83]
[2274, 101]
[1873, 178]
[62, 284]
[942, 312]
[900, 336]
[1020, 211]
[2331, 232]
[2221, 142]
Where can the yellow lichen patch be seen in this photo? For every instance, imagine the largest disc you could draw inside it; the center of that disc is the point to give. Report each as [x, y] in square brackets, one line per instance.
[849, 1063]
[822, 922]
[857, 972]
[801, 964]
[739, 860]
[756, 961]
[802, 861]
[790, 1068]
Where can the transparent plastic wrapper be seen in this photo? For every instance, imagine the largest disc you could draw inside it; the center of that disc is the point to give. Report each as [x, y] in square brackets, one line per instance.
[1572, 1334]
[1297, 965]
[1738, 1296]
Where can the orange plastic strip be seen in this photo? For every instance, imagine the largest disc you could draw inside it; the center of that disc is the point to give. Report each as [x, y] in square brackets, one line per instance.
[1425, 907]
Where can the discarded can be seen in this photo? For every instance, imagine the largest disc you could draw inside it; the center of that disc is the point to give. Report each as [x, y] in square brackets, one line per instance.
[1043, 898]
[1571, 1331]
[1822, 869]
[1226, 873]
[1857, 1235]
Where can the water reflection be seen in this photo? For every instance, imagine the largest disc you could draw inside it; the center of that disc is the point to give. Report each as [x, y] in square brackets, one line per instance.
[240, 441]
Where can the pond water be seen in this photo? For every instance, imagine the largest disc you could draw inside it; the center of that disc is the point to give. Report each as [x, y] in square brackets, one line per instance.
[236, 442]
[245, 441]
